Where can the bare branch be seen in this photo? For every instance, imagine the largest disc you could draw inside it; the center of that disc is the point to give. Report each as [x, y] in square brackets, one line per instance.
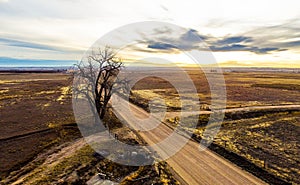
[99, 72]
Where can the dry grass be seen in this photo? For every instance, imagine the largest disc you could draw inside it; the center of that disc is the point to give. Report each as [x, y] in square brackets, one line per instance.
[265, 137]
[28, 105]
[243, 89]
[271, 138]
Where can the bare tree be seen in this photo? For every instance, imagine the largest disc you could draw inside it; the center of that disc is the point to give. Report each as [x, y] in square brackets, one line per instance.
[99, 75]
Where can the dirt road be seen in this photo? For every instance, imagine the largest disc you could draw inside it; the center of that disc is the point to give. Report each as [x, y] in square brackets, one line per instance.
[232, 110]
[192, 165]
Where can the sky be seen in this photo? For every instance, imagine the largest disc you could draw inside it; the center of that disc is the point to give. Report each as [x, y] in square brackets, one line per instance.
[257, 33]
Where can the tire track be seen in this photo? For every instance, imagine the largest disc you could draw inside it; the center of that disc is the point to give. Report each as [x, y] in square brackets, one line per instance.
[47, 130]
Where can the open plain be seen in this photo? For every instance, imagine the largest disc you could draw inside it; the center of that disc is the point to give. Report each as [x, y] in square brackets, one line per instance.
[36, 115]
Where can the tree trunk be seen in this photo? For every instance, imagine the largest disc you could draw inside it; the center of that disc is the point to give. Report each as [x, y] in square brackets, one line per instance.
[102, 113]
[103, 110]
[98, 105]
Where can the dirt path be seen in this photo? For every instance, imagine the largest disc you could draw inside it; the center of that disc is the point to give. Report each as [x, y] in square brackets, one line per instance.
[193, 166]
[232, 110]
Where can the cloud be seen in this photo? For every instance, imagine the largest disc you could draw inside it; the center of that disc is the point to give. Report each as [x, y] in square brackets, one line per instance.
[234, 40]
[192, 36]
[239, 47]
[17, 43]
[260, 40]
[32, 45]
[242, 43]
[285, 36]
[163, 30]
[291, 44]
[186, 41]
[233, 47]
[55, 25]
[191, 39]
[163, 46]
[265, 50]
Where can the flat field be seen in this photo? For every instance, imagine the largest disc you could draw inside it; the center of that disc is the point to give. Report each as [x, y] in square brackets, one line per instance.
[269, 140]
[36, 113]
[41, 144]
[243, 88]
[33, 109]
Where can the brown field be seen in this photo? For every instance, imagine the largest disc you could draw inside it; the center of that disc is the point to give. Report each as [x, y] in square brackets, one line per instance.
[40, 142]
[36, 114]
[243, 88]
[33, 108]
[269, 140]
